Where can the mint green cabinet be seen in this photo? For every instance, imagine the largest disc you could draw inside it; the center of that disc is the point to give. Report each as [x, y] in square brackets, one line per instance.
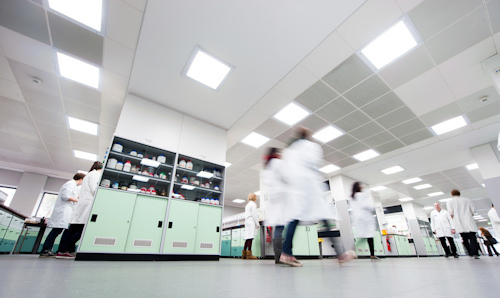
[402, 245]
[146, 226]
[225, 248]
[363, 249]
[180, 234]
[305, 241]
[208, 230]
[109, 222]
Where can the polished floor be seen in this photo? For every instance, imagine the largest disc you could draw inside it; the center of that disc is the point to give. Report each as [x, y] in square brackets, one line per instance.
[28, 276]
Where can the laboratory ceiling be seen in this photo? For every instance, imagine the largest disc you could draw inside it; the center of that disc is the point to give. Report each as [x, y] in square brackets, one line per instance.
[282, 51]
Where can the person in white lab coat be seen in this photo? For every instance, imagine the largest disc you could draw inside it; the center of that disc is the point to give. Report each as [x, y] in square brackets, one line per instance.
[274, 190]
[81, 212]
[461, 211]
[61, 213]
[251, 225]
[495, 220]
[363, 221]
[442, 226]
[306, 198]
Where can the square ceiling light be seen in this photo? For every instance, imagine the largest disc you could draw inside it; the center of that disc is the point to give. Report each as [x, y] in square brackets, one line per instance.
[78, 70]
[378, 188]
[227, 164]
[445, 200]
[206, 69]
[392, 170]
[405, 199]
[428, 207]
[449, 125]
[83, 172]
[411, 180]
[472, 166]
[86, 12]
[435, 194]
[238, 201]
[291, 114]
[85, 155]
[390, 45]
[422, 186]
[329, 168]
[327, 134]
[365, 155]
[255, 140]
[83, 126]
[257, 193]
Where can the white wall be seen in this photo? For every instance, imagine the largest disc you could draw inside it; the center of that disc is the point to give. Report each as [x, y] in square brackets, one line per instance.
[10, 178]
[28, 192]
[230, 210]
[54, 184]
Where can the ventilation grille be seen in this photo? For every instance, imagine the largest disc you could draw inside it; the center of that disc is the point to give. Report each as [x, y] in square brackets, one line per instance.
[104, 241]
[207, 245]
[180, 244]
[143, 243]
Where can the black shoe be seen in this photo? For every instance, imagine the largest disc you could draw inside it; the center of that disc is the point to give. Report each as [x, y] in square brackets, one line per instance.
[455, 256]
[447, 256]
[47, 254]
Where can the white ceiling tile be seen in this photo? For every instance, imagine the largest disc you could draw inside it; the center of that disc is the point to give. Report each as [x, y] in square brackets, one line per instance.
[23, 130]
[49, 116]
[24, 73]
[137, 4]
[327, 55]
[5, 71]
[51, 129]
[370, 20]
[112, 104]
[123, 23]
[13, 107]
[26, 50]
[77, 136]
[296, 82]
[80, 93]
[408, 5]
[238, 132]
[46, 101]
[114, 84]
[253, 118]
[81, 111]
[117, 57]
[11, 90]
[271, 103]
[109, 118]
[422, 100]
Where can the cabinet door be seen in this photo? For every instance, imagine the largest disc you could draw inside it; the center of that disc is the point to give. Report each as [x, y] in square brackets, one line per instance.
[225, 248]
[300, 244]
[208, 230]
[109, 222]
[147, 224]
[180, 235]
[362, 248]
[377, 244]
[312, 237]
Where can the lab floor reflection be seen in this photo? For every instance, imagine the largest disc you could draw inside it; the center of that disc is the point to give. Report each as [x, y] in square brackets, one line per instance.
[29, 276]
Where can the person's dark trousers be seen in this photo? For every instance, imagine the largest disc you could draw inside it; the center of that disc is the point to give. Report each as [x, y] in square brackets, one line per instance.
[371, 246]
[290, 231]
[470, 243]
[446, 248]
[69, 239]
[278, 243]
[51, 238]
[489, 246]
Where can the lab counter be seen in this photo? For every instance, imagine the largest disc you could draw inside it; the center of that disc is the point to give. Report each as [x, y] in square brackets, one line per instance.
[398, 246]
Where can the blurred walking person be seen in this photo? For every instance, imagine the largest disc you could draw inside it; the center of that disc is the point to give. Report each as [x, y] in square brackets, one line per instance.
[489, 241]
[442, 226]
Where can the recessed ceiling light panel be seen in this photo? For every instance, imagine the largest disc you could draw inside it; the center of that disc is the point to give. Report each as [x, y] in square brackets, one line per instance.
[206, 69]
[472, 166]
[83, 126]
[392, 170]
[445, 200]
[329, 168]
[434, 194]
[78, 70]
[428, 207]
[449, 125]
[422, 186]
[390, 45]
[255, 140]
[365, 155]
[405, 199]
[327, 134]
[86, 12]
[85, 155]
[291, 114]
[227, 164]
[378, 188]
[411, 180]
[238, 201]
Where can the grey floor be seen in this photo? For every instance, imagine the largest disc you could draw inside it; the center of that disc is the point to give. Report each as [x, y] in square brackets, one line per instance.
[28, 276]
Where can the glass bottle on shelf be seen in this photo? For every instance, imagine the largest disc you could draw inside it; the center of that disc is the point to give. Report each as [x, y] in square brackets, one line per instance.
[189, 165]
[127, 166]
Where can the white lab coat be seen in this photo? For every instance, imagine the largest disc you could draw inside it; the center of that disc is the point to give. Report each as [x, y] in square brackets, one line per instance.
[251, 220]
[462, 210]
[495, 221]
[63, 209]
[274, 190]
[82, 209]
[306, 191]
[363, 221]
[441, 223]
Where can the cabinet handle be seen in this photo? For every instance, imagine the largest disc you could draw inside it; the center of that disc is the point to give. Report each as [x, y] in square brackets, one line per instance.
[160, 224]
[217, 230]
[93, 218]
[170, 224]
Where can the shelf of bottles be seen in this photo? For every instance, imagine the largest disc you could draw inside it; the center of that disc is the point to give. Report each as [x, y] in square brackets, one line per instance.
[198, 180]
[139, 168]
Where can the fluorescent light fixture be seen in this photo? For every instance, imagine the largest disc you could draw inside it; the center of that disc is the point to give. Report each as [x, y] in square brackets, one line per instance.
[435, 194]
[227, 164]
[291, 114]
[329, 168]
[327, 134]
[405, 199]
[140, 178]
[239, 201]
[449, 125]
[188, 187]
[477, 217]
[78, 70]
[445, 200]
[83, 126]
[428, 207]
[85, 155]
[365, 155]
[378, 188]
[257, 193]
[392, 170]
[422, 186]
[83, 172]
[87, 12]
[204, 174]
[483, 185]
[411, 180]
[482, 220]
[391, 44]
[150, 163]
[206, 69]
[472, 166]
[255, 140]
